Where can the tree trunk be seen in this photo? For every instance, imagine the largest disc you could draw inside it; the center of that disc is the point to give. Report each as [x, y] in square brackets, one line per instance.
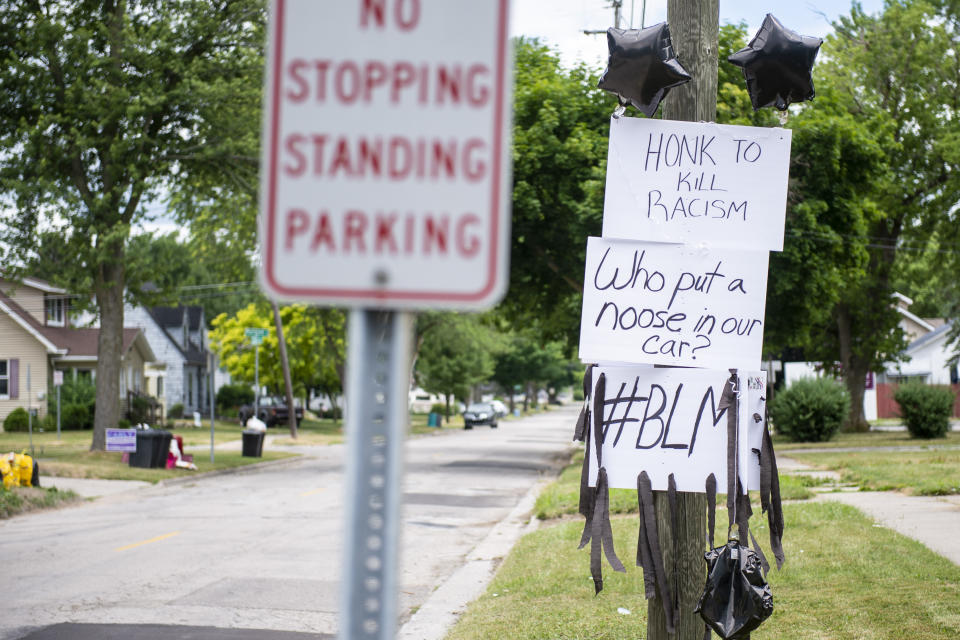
[526, 397]
[511, 402]
[109, 290]
[285, 366]
[854, 371]
[695, 30]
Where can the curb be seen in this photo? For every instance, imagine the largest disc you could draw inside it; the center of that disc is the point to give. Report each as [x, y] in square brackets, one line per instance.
[449, 600]
[248, 468]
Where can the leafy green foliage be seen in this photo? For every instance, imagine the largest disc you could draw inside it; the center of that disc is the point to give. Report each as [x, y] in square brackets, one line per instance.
[16, 420]
[560, 127]
[233, 396]
[810, 410]
[456, 354]
[76, 415]
[102, 107]
[176, 411]
[315, 346]
[926, 409]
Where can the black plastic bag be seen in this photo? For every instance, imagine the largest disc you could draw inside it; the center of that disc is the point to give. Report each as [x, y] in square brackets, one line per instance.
[736, 597]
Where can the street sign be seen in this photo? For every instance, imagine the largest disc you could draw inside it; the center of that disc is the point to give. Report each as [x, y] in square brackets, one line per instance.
[57, 378]
[122, 440]
[256, 335]
[385, 177]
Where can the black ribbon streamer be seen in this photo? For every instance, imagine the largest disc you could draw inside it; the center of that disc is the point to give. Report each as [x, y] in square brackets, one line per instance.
[728, 401]
[711, 487]
[583, 420]
[770, 497]
[597, 530]
[648, 553]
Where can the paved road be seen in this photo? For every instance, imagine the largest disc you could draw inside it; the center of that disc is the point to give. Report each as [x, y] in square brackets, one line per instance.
[259, 550]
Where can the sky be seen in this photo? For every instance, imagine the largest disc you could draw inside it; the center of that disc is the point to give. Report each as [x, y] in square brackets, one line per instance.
[560, 23]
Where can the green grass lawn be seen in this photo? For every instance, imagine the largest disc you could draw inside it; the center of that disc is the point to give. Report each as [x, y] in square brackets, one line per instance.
[70, 457]
[929, 473]
[17, 500]
[869, 439]
[844, 580]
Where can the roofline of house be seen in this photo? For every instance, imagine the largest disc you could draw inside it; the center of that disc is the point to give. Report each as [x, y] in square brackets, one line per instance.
[51, 348]
[900, 296]
[46, 287]
[920, 321]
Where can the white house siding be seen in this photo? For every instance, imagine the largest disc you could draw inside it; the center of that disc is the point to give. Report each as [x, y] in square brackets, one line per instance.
[15, 342]
[166, 352]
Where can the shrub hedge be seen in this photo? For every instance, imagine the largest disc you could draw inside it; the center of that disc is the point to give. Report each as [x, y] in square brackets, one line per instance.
[810, 410]
[925, 409]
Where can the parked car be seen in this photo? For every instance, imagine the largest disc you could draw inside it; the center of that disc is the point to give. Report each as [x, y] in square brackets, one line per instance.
[273, 411]
[499, 408]
[480, 413]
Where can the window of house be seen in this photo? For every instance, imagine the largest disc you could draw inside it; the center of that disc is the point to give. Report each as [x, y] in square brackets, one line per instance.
[190, 389]
[159, 386]
[55, 311]
[4, 379]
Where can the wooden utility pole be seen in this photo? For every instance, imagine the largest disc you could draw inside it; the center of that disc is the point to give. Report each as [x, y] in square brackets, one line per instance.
[694, 29]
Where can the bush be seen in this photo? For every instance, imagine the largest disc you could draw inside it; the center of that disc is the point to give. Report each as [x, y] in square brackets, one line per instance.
[76, 416]
[123, 423]
[139, 409]
[811, 410]
[17, 420]
[176, 411]
[79, 391]
[49, 422]
[333, 413]
[926, 409]
[438, 407]
[233, 396]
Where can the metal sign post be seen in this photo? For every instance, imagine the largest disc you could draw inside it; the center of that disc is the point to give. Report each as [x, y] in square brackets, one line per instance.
[30, 413]
[377, 362]
[256, 336]
[213, 366]
[58, 382]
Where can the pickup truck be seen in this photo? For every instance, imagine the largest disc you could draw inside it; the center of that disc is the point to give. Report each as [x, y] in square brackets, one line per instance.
[273, 411]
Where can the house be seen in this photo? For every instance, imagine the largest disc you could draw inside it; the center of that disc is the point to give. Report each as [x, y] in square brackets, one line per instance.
[930, 360]
[178, 337]
[37, 337]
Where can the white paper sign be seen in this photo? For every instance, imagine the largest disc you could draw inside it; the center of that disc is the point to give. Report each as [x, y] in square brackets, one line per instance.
[753, 421]
[665, 421]
[696, 183]
[672, 305]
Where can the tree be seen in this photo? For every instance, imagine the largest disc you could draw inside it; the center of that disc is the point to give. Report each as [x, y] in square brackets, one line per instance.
[524, 361]
[560, 127]
[894, 76]
[456, 354]
[314, 339]
[101, 107]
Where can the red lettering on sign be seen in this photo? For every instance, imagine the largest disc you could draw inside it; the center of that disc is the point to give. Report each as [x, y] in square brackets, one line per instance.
[384, 233]
[396, 158]
[367, 81]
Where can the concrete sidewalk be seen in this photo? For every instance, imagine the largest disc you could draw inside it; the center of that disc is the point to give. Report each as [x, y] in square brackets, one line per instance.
[932, 521]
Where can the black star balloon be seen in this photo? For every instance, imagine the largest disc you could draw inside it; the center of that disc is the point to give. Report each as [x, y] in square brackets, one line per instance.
[642, 66]
[777, 65]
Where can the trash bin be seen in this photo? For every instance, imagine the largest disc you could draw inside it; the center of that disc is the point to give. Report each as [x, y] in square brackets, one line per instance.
[143, 456]
[161, 449]
[253, 443]
[152, 448]
[434, 419]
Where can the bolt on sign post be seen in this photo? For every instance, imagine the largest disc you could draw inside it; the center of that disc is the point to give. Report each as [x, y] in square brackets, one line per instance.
[58, 382]
[384, 188]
